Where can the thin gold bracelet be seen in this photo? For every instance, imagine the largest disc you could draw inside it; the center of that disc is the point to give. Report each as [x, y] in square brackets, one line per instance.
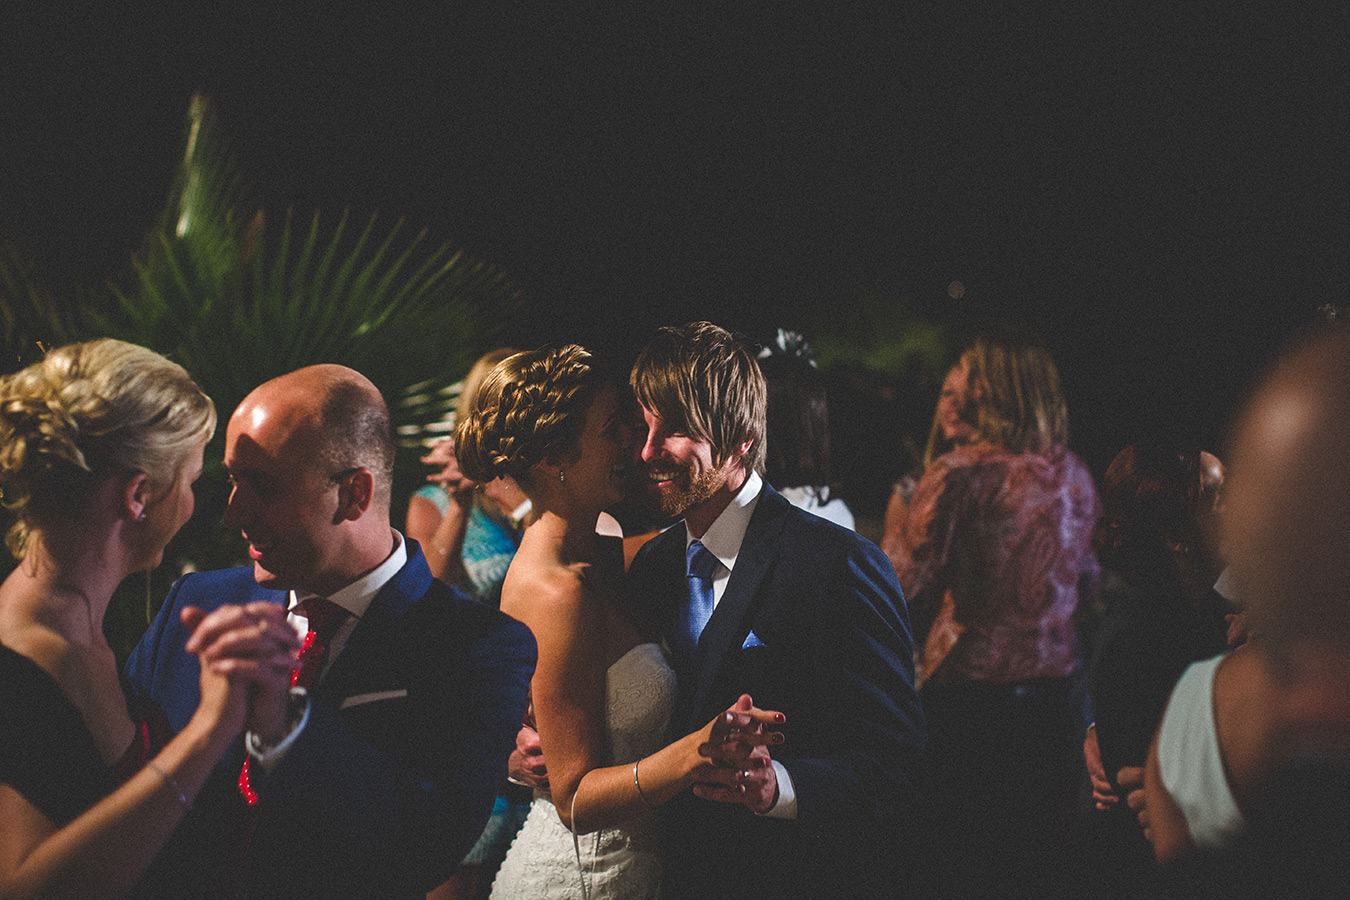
[645, 801]
[170, 781]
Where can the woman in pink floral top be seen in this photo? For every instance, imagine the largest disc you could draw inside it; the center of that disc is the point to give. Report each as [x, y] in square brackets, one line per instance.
[992, 553]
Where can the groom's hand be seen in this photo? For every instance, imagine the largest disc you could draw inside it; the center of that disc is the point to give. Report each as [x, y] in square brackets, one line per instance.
[735, 776]
[526, 764]
[740, 769]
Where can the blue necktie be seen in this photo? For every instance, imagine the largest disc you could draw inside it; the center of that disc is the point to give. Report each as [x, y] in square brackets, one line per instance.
[700, 565]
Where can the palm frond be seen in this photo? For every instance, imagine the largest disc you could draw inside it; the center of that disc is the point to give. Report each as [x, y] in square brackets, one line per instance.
[237, 303]
[33, 315]
[881, 332]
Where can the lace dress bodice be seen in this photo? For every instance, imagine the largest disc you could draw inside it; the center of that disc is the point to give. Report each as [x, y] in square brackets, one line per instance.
[616, 863]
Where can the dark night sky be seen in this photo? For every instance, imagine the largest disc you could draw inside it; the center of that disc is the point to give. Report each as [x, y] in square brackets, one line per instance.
[1157, 188]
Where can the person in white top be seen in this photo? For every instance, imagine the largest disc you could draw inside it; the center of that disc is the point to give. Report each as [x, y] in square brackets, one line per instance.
[1282, 701]
[797, 451]
[603, 692]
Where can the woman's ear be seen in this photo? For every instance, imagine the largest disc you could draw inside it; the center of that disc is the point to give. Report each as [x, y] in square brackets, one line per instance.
[546, 470]
[136, 497]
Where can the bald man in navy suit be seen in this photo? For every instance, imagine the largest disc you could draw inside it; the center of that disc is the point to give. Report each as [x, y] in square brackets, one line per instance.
[376, 781]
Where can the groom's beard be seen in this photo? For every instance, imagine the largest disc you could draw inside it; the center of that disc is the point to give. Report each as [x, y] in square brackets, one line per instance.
[683, 493]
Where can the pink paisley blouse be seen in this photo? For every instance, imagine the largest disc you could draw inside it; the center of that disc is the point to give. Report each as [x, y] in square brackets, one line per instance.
[992, 552]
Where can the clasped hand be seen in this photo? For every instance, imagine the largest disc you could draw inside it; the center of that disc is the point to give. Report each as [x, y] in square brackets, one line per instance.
[526, 764]
[247, 654]
[740, 769]
[736, 745]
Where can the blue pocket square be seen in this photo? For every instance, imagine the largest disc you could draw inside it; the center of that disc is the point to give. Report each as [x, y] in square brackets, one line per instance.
[752, 640]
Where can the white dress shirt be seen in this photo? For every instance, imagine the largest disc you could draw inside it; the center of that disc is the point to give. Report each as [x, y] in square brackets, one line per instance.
[355, 598]
[723, 540]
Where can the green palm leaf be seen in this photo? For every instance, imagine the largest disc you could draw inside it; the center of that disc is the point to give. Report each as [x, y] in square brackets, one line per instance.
[236, 301]
[237, 304]
[33, 315]
[880, 332]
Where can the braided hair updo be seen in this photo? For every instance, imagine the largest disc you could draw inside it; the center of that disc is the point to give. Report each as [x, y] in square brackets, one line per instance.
[87, 411]
[529, 408]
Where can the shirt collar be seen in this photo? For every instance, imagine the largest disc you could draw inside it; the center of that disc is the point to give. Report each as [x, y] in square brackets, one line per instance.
[725, 535]
[356, 597]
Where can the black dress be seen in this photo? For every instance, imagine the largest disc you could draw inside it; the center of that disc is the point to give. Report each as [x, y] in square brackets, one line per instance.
[1148, 637]
[47, 753]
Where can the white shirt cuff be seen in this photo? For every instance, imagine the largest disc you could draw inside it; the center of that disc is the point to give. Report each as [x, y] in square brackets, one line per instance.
[269, 756]
[786, 807]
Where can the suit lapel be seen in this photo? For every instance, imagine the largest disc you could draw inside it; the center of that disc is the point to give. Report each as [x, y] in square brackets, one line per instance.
[730, 620]
[366, 650]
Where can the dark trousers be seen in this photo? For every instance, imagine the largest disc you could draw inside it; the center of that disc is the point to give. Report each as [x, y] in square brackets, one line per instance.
[1005, 764]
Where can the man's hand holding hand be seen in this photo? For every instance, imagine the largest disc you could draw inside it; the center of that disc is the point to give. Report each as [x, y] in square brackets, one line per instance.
[1102, 792]
[740, 769]
[526, 764]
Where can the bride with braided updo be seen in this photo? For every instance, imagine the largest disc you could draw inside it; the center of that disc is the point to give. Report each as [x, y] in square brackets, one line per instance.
[602, 692]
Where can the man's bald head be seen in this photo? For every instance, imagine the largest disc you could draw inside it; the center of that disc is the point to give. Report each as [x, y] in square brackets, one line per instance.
[311, 455]
[1287, 521]
[341, 414]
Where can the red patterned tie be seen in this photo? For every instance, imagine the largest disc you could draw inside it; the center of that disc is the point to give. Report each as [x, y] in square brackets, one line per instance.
[325, 617]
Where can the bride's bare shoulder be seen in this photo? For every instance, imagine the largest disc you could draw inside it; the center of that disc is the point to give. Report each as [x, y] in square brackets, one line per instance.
[534, 589]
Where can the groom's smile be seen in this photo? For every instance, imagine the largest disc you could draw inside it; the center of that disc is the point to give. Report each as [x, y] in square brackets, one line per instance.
[676, 470]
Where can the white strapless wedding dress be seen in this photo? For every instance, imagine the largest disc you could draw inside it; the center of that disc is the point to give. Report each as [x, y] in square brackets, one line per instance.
[616, 863]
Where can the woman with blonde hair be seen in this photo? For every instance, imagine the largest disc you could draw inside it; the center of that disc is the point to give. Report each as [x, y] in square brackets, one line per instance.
[468, 531]
[99, 446]
[602, 691]
[991, 555]
[953, 426]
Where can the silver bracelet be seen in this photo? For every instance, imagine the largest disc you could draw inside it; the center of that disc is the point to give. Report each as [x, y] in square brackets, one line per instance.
[169, 780]
[645, 801]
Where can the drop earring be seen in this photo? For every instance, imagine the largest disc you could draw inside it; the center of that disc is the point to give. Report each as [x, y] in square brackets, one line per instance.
[562, 476]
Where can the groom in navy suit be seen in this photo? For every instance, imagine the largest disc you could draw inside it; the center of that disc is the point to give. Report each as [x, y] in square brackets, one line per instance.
[375, 782]
[755, 596]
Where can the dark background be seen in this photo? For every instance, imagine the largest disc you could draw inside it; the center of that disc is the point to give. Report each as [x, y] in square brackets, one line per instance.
[1157, 188]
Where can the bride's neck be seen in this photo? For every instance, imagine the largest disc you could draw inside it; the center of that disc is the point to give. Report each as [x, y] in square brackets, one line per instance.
[571, 537]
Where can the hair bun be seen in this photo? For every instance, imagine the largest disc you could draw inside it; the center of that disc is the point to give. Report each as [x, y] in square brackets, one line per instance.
[530, 407]
[39, 431]
[87, 410]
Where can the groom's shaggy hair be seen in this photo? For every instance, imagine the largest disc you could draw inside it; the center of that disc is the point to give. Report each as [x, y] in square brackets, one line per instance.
[704, 380]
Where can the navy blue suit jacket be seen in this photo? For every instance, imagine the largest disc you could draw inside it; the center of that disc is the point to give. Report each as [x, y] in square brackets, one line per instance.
[813, 624]
[393, 778]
